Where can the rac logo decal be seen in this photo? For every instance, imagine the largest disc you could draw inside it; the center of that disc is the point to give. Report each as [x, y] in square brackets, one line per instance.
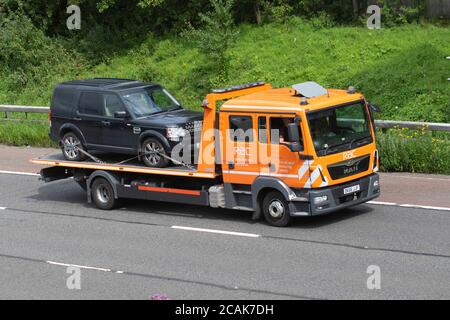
[349, 155]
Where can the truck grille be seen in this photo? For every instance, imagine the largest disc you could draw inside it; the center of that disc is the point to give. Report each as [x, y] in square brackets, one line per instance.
[349, 168]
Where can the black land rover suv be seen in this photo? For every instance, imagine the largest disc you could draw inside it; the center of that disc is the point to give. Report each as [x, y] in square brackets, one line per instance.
[120, 116]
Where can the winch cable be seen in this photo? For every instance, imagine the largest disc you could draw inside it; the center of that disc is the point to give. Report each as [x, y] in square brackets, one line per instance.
[95, 159]
[169, 158]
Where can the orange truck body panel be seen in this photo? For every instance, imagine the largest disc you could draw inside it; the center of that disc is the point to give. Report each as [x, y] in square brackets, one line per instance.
[263, 101]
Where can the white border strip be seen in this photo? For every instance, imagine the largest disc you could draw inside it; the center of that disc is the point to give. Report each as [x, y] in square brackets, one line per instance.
[239, 234]
[20, 173]
[3, 208]
[414, 206]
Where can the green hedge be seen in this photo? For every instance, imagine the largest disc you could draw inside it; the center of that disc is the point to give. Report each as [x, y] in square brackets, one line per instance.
[414, 151]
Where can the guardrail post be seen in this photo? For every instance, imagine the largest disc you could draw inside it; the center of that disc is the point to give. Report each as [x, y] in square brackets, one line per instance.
[448, 58]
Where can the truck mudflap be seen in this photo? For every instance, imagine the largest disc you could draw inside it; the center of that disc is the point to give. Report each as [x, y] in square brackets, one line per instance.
[335, 198]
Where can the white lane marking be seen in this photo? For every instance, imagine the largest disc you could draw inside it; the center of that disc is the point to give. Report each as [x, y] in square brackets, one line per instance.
[424, 207]
[414, 206]
[383, 203]
[77, 266]
[19, 173]
[240, 234]
[3, 208]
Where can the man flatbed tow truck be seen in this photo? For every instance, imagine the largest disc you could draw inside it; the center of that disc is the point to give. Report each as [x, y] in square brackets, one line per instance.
[279, 153]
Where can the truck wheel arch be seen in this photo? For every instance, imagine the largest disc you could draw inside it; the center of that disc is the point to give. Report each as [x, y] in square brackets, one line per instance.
[112, 179]
[262, 186]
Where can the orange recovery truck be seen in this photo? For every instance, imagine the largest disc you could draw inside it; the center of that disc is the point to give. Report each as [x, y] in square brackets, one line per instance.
[279, 153]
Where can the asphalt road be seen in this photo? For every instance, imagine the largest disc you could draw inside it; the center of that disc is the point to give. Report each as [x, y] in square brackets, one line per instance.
[146, 248]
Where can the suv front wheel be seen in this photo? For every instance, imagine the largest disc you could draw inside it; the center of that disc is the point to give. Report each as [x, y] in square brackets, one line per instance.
[153, 153]
[70, 146]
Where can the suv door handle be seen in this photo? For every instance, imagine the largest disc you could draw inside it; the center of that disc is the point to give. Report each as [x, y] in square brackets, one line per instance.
[77, 119]
[106, 123]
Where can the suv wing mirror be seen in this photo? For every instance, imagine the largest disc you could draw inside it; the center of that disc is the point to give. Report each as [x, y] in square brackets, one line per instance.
[120, 114]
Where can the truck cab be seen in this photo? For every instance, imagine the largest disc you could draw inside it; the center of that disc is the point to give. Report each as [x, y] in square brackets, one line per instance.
[315, 147]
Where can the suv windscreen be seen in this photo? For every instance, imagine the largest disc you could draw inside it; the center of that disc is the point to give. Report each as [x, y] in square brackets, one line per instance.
[339, 129]
[148, 101]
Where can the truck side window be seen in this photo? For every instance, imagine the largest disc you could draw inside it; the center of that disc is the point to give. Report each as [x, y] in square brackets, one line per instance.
[91, 103]
[262, 129]
[112, 105]
[278, 130]
[241, 128]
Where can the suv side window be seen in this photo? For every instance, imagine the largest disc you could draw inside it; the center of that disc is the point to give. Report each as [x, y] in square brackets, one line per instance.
[91, 103]
[112, 105]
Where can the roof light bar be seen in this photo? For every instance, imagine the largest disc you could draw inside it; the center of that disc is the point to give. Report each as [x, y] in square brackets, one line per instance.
[240, 87]
[351, 90]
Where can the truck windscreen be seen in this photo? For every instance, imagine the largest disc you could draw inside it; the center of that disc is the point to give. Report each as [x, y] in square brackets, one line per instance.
[339, 129]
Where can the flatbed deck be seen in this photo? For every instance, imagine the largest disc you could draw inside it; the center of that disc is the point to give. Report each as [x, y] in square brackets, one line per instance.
[113, 163]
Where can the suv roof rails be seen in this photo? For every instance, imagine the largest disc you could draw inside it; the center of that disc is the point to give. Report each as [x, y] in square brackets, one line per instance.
[102, 82]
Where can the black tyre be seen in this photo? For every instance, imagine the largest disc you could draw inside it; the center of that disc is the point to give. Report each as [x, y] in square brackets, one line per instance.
[276, 210]
[70, 147]
[102, 194]
[152, 149]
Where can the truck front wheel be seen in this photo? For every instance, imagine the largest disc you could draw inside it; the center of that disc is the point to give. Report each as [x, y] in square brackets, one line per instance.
[103, 194]
[276, 209]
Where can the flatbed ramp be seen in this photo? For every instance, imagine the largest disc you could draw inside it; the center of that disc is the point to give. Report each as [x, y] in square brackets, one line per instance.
[113, 163]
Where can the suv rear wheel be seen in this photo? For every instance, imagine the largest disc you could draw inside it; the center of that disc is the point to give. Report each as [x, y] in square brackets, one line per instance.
[70, 147]
[152, 153]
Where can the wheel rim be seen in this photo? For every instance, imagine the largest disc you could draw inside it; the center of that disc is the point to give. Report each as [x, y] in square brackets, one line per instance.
[103, 194]
[276, 209]
[71, 145]
[152, 150]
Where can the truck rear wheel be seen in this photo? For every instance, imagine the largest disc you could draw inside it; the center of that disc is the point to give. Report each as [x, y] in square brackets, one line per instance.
[102, 194]
[276, 209]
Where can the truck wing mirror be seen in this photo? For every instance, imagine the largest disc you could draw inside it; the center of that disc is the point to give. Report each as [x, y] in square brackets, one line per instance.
[296, 147]
[374, 107]
[120, 114]
[293, 133]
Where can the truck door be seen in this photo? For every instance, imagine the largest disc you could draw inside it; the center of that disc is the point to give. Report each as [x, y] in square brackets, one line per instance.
[284, 163]
[240, 159]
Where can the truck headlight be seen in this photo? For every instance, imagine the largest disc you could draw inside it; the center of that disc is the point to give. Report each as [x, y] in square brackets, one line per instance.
[376, 184]
[319, 200]
[174, 134]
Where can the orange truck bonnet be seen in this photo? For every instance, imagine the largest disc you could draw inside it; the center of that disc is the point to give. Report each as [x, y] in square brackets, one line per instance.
[337, 135]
